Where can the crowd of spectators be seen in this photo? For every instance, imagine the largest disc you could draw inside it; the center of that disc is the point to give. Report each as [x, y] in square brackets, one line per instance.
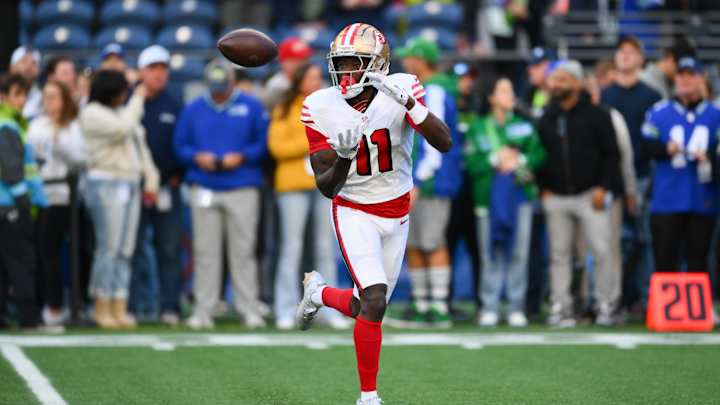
[614, 162]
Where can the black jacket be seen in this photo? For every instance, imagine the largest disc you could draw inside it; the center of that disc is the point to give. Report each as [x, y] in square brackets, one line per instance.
[581, 148]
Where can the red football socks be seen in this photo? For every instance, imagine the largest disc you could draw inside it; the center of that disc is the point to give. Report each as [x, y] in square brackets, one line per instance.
[339, 299]
[368, 339]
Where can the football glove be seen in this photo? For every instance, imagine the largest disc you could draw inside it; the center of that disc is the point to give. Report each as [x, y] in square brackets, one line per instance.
[346, 143]
[381, 82]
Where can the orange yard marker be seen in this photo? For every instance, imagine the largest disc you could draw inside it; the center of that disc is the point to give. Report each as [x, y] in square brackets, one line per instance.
[680, 302]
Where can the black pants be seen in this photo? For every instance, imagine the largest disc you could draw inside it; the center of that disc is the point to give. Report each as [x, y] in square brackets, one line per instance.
[17, 263]
[54, 225]
[681, 236]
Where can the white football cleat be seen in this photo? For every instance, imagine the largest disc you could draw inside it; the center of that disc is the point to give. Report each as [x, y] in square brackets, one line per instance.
[313, 285]
[370, 401]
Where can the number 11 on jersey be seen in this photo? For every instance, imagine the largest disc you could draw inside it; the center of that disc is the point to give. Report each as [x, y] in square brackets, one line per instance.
[381, 139]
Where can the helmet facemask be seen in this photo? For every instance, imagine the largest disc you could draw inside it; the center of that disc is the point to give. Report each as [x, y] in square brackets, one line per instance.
[344, 81]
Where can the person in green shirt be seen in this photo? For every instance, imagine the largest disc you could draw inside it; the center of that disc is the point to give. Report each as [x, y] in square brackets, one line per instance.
[437, 179]
[501, 151]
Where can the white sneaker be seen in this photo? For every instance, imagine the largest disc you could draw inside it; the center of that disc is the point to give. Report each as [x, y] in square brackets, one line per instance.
[488, 319]
[197, 322]
[517, 319]
[311, 301]
[285, 324]
[370, 401]
[559, 318]
[254, 322]
[53, 319]
[170, 319]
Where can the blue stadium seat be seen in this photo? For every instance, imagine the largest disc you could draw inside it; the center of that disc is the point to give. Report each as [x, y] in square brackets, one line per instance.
[185, 37]
[392, 14]
[62, 36]
[64, 11]
[261, 72]
[94, 62]
[443, 37]
[317, 38]
[434, 14]
[136, 12]
[184, 68]
[190, 12]
[129, 36]
[27, 13]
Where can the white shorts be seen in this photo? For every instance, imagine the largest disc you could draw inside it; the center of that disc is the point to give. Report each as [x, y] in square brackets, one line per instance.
[373, 247]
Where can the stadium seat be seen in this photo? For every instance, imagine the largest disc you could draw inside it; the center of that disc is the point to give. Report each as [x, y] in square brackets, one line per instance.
[64, 11]
[186, 37]
[94, 61]
[61, 36]
[129, 36]
[316, 37]
[27, 13]
[185, 68]
[190, 12]
[136, 12]
[444, 37]
[434, 14]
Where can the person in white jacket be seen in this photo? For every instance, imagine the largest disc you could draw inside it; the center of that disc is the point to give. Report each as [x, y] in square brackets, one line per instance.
[120, 174]
[59, 148]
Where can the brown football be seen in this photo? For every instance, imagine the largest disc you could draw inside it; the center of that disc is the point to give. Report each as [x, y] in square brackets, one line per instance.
[247, 47]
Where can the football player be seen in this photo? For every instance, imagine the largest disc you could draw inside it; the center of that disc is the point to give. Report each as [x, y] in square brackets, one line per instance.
[360, 132]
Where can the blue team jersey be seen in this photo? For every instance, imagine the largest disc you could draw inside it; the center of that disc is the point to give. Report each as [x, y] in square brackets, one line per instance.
[677, 186]
[438, 174]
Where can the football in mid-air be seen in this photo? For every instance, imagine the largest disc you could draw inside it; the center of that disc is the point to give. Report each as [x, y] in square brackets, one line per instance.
[247, 47]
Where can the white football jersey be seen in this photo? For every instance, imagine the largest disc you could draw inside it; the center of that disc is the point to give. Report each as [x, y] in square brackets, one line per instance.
[382, 170]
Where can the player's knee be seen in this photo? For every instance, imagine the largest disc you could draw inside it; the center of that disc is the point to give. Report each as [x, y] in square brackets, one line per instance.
[374, 303]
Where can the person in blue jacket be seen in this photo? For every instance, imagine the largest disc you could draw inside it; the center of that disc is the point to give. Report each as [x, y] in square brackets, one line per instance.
[164, 215]
[681, 135]
[221, 138]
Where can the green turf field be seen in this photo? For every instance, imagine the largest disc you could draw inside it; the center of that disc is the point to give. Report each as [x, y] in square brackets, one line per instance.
[537, 366]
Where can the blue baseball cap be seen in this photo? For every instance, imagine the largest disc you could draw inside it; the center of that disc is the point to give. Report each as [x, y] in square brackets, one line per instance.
[540, 54]
[688, 63]
[112, 49]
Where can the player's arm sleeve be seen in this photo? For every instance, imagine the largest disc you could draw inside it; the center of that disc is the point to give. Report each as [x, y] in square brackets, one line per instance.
[652, 146]
[417, 90]
[256, 151]
[431, 158]
[182, 138]
[316, 137]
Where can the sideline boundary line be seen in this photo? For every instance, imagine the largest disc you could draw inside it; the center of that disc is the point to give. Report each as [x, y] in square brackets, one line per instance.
[36, 380]
[316, 341]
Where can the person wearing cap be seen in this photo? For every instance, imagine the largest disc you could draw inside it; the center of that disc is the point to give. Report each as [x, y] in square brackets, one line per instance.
[25, 62]
[164, 217]
[536, 97]
[681, 137]
[437, 179]
[221, 138]
[112, 57]
[582, 165]
[633, 98]
[292, 52]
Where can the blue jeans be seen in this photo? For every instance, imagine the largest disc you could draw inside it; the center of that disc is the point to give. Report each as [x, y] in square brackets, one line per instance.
[114, 207]
[157, 263]
[295, 209]
[497, 265]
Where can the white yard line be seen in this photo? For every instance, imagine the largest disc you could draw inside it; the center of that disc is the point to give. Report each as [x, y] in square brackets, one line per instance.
[322, 341]
[38, 383]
